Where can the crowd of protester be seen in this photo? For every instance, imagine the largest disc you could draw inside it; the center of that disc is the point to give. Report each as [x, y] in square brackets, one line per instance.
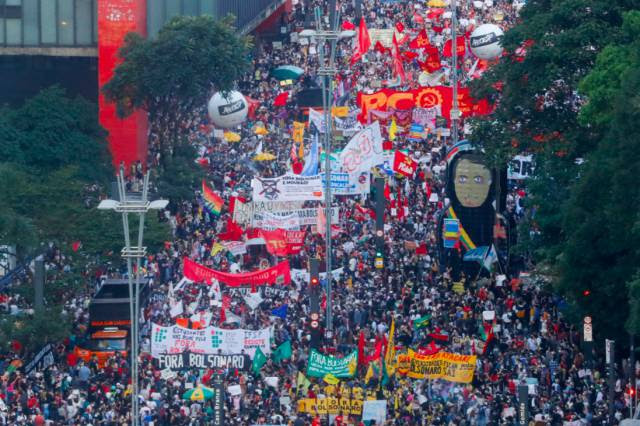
[532, 343]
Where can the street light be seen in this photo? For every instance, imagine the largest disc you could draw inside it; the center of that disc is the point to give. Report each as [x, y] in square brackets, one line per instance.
[141, 207]
[327, 70]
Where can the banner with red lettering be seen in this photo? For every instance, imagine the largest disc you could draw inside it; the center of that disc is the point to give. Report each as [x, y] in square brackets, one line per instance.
[282, 242]
[423, 97]
[279, 274]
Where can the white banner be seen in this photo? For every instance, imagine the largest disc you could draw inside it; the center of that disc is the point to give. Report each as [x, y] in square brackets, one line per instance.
[521, 167]
[350, 183]
[363, 151]
[271, 222]
[302, 275]
[210, 340]
[288, 187]
[243, 212]
[235, 247]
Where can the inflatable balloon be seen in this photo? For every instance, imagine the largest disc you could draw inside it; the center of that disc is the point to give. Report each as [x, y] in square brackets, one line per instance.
[485, 41]
[229, 111]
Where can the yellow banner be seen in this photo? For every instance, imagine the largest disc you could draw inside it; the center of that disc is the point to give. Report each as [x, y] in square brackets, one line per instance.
[298, 131]
[330, 406]
[443, 365]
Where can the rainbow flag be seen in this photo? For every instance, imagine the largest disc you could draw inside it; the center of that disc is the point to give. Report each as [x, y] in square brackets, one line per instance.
[212, 201]
[464, 237]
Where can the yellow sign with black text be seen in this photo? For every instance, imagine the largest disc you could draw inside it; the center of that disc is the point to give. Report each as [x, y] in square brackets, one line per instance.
[442, 365]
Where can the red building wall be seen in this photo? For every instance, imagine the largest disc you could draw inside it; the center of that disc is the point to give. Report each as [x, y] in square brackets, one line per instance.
[128, 137]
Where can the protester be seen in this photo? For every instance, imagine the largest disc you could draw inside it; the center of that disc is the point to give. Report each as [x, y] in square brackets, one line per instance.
[531, 343]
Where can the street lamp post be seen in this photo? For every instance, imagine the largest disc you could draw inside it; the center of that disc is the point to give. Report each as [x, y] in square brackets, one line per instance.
[327, 71]
[141, 207]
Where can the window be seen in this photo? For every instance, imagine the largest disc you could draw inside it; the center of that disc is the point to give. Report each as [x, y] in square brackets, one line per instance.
[83, 22]
[155, 17]
[65, 22]
[14, 32]
[1, 30]
[173, 8]
[48, 22]
[30, 22]
[190, 7]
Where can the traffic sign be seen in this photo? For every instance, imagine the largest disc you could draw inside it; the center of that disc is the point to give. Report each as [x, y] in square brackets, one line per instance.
[314, 324]
[379, 233]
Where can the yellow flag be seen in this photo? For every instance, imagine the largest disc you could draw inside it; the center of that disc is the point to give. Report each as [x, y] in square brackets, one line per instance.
[331, 379]
[302, 382]
[301, 150]
[298, 134]
[369, 374]
[390, 354]
[393, 129]
[216, 248]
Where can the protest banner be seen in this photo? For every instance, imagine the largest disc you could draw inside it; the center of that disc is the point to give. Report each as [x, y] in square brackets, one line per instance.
[243, 213]
[209, 340]
[279, 274]
[330, 405]
[521, 167]
[320, 365]
[283, 243]
[424, 97]
[288, 187]
[349, 183]
[441, 365]
[271, 221]
[363, 151]
[188, 360]
[235, 247]
[41, 361]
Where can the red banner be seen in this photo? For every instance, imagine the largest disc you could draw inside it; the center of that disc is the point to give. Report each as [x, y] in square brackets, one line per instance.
[282, 242]
[424, 97]
[279, 274]
[404, 164]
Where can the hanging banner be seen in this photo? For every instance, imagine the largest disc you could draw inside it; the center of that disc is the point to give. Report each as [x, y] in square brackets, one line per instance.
[442, 365]
[349, 183]
[41, 361]
[363, 151]
[189, 360]
[375, 410]
[283, 243]
[302, 275]
[320, 365]
[209, 340]
[271, 221]
[424, 97]
[279, 274]
[330, 405]
[235, 247]
[288, 187]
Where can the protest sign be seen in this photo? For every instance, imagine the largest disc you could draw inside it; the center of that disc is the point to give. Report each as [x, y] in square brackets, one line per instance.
[288, 187]
[209, 340]
[330, 405]
[279, 274]
[320, 365]
[349, 183]
[271, 221]
[521, 167]
[375, 410]
[188, 360]
[41, 361]
[442, 365]
[235, 247]
[363, 151]
[283, 243]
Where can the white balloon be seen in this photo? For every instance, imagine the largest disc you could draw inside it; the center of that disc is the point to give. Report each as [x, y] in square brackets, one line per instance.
[485, 41]
[229, 111]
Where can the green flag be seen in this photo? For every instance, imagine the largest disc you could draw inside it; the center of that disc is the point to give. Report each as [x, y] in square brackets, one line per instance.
[282, 352]
[421, 322]
[259, 359]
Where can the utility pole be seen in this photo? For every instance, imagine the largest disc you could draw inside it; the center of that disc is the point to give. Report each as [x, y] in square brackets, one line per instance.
[610, 359]
[455, 112]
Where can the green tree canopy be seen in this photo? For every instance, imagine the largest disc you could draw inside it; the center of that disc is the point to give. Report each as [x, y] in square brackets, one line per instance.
[173, 74]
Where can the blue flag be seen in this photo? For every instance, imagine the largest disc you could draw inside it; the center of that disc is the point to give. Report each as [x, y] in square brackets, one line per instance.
[477, 254]
[280, 312]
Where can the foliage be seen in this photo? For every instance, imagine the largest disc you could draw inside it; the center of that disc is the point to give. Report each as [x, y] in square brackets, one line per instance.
[180, 175]
[175, 73]
[34, 330]
[558, 102]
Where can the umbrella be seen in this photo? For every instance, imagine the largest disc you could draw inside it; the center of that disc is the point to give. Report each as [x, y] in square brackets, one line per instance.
[287, 72]
[231, 137]
[201, 393]
[264, 156]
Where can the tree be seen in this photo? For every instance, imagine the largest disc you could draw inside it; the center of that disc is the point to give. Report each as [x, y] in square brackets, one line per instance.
[173, 74]
[539, 95]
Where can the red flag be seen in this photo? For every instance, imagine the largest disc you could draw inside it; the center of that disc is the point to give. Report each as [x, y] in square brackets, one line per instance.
[387, 191]
[460, 47]
[363, 42]
[281, 99]
[234, 232]
[75, 246]
[253, 106]
[399, 27]
[404, 164]
[398, 68]
[380, 48]
[347, 26]
[409, 56]
[433, 59]
[421, 41]
[223, 316]
[361, 348]
[422, 249]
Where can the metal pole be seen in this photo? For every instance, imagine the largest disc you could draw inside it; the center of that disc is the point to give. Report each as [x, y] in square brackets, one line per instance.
[610, 359]
[455, 113]
[632, 361]
[127, 244]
